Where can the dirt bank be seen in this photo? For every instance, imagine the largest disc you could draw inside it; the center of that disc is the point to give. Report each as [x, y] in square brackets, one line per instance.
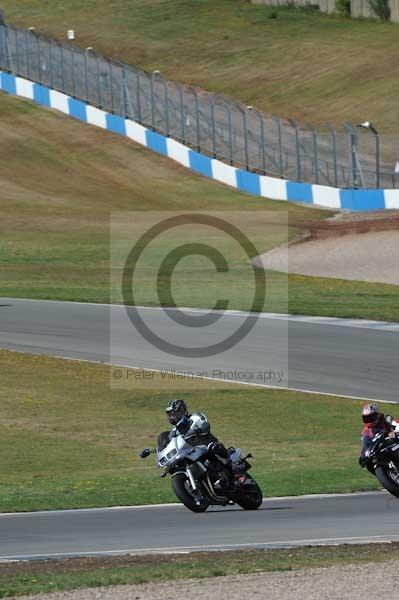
[354, 582]
[355, 247]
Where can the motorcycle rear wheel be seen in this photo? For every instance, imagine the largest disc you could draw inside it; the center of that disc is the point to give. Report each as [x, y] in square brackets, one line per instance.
[382, 474]
[252, 499]
[179, 483]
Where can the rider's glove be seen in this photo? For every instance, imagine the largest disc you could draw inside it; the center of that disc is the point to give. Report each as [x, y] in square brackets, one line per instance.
[212, 448]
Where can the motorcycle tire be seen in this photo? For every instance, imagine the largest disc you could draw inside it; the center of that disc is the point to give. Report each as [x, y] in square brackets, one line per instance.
[179, 487]
[251, 499]
[386, 481]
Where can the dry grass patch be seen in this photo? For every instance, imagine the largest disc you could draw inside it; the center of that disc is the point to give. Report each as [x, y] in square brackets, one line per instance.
[301, 64]
[49, 576]
[67, 440]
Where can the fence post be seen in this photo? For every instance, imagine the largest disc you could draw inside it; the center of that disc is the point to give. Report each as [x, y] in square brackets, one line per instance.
[244, 124]
[27, 50]
[230, 126]
[297, 149]
[353, 150]
[152, 101]
[334, 149]
[377, 159]
[280, 143]
[3, 51]
[353, 143]
[138, 96]
[7, 58]
[166, 93]
[73, 73]
[334, 134]
[262, 139]
[197, 122]
[3, 47]
[8, 62]
[124, 90]
[315, 152]
[39, 61]
[182, 120]
[10, 57]
[62, 68]
[50, 60]
[111, 86]
[213, 129]
[371, 128]
[16, 38]
[86, 76]
[98, 77]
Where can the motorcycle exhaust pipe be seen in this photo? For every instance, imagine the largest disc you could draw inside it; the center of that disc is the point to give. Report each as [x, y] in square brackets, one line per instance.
[212, 493]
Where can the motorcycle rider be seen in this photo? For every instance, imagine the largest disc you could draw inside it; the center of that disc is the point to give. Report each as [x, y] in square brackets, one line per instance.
[375, 422]
[196, 428]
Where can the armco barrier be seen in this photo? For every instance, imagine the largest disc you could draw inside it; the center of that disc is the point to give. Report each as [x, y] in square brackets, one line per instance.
[259, 185]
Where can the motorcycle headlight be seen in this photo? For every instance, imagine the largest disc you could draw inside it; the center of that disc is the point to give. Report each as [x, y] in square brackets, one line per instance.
[172, 453]
[163, 461]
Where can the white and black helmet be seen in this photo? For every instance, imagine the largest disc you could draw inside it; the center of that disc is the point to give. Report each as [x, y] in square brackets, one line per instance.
[199, 424]
[370, 413]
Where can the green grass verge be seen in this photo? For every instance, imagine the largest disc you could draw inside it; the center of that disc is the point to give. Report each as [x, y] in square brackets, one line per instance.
[50, 576]
[302, 64]
[67, 440]
[55, 216]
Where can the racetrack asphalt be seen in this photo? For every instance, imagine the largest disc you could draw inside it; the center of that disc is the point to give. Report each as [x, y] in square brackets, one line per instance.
[332, 356]
[335, 519]
[335, 356]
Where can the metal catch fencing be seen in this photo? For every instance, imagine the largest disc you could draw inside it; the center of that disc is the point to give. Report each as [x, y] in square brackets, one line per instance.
[209, 123]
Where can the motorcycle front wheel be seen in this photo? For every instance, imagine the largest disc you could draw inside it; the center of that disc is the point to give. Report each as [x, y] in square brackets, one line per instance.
[181, 487]
[385, 478]
[250, 498]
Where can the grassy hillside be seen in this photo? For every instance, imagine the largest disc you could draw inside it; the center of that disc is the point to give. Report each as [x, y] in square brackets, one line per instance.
[60, 182]
[61, 452]
[61, 179]
[301, 64]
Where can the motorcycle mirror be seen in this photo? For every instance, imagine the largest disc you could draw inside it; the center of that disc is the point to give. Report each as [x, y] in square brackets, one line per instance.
[144, 453]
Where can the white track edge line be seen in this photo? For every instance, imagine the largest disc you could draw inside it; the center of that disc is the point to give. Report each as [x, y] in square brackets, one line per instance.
[179, 505]
[312, 319]
[175, 549]
[225, 381]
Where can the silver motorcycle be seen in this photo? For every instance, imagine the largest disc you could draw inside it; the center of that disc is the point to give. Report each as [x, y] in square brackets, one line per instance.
[200, 479]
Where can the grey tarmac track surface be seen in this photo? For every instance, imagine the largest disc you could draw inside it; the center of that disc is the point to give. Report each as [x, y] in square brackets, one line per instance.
[352, 518]
[340, 357]
[352, 358]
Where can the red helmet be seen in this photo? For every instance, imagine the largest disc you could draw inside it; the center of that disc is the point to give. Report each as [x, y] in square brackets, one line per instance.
[370, 413]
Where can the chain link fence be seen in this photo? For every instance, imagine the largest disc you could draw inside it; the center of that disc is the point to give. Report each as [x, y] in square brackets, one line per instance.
[209, 123]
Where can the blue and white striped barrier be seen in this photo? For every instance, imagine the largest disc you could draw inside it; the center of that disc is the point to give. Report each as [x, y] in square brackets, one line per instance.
[259, 185]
